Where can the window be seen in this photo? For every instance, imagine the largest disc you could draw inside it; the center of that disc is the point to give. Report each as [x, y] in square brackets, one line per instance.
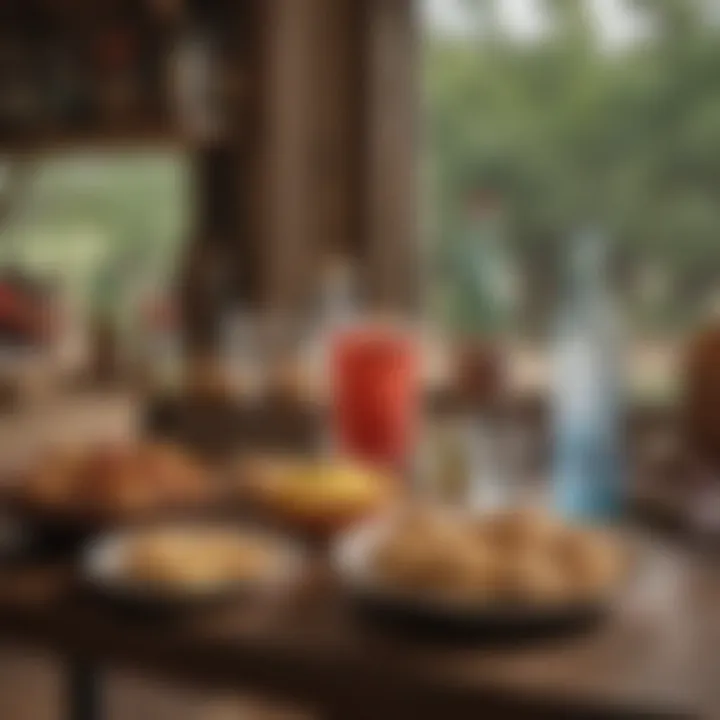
[106, 230]
[542, 115]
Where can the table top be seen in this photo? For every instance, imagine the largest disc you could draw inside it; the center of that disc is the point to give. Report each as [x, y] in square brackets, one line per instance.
[655, 656]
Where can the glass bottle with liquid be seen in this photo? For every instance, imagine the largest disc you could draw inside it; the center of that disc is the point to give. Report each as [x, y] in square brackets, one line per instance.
[588, 479]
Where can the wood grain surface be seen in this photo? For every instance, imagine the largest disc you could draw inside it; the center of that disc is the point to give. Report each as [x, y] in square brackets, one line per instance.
[655, 656]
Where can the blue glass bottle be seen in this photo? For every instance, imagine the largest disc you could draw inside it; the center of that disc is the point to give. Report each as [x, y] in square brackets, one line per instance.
[587, 389]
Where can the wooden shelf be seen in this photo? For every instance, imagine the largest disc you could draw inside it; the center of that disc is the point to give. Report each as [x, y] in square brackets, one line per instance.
[148, 136]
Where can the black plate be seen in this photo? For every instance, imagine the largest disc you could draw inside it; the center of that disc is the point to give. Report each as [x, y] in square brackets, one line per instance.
[501, 624]
[411, 612]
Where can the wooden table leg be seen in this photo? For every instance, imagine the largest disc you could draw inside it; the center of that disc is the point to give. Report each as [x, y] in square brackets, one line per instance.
[83, 695]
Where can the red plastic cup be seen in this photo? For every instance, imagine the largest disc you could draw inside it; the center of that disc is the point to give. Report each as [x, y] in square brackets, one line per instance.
[375, 394]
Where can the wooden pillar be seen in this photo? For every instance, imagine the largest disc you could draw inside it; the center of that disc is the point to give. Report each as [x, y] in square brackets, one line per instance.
[390, 120]
[286, 230]
[339, 145]
[310, 144]
[320, 153]
[339, 136]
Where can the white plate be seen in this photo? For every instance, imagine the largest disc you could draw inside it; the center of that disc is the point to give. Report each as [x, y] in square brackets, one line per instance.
[103, 568]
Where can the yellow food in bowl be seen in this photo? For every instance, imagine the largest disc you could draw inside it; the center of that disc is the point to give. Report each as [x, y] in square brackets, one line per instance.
[317, 495]
[197, 559]
[327, 487]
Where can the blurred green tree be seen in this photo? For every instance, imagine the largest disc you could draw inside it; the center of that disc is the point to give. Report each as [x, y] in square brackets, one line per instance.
[567, 130]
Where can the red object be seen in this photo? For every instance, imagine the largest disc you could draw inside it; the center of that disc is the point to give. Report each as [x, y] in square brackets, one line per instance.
[23, 315]
[375, 395]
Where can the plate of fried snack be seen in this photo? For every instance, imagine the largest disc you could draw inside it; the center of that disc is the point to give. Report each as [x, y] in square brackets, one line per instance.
[511, 569]
[187, 563]
[314, 496]
[106, 483]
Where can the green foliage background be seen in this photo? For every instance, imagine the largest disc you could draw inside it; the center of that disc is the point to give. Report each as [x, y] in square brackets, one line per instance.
[107, 227]
[567, 131]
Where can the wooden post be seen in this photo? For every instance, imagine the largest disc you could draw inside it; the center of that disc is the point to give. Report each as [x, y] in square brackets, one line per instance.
[339, 146]
[390, 110]
[338, 126]
[321, 155]
[285, 159]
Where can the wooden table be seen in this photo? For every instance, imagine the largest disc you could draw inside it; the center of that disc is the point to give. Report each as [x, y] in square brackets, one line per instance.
[655, 657]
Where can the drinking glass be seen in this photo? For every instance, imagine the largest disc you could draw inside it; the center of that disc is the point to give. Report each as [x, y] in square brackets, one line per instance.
[375, 394]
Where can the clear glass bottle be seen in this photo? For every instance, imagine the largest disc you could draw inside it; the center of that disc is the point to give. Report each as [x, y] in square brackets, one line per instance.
[587, 390]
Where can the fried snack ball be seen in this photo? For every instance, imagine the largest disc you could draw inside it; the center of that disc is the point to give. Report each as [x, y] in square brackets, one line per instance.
[116, 478]
[518, 557]
[533, 578]
[471, 575]
[408, 561]
[424, 550]
[517, 530]
[429, 524]
[429, 551]
[591, 561]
